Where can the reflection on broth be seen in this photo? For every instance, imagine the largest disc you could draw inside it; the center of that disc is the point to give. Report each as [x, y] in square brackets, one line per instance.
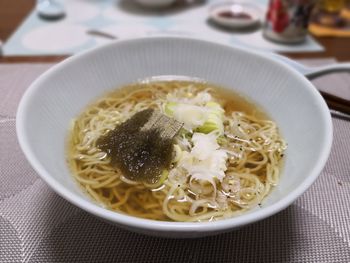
[223, 154]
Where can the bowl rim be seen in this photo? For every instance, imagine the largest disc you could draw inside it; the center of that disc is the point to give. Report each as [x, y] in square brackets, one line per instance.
[169, 226]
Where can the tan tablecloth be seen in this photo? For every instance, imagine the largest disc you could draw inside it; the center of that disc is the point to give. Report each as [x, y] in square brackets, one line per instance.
[36, 225]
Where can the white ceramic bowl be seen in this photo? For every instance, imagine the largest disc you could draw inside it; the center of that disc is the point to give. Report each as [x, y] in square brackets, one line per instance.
[62, 92]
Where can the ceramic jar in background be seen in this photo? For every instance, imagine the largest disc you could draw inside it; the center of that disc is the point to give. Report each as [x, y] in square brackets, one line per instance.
[287, 20]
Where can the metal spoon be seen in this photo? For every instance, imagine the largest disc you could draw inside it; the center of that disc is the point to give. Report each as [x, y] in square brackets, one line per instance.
[314, 72]
[339, 107]
[50, 9]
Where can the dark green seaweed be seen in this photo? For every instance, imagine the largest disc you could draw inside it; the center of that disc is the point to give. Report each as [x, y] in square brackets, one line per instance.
[140, 153]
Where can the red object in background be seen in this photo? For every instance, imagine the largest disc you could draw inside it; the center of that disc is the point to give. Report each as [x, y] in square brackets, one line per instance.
[278, 16]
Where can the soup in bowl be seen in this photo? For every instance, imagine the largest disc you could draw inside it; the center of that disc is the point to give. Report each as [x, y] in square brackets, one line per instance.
[175, 137]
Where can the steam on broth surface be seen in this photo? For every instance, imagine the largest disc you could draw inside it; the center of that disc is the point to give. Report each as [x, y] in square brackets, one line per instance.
[224, 160]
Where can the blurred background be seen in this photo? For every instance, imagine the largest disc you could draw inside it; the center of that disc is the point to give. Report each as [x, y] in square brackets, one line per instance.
[297, 28]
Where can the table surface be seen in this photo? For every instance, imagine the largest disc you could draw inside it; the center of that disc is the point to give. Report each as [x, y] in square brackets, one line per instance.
[12, 14]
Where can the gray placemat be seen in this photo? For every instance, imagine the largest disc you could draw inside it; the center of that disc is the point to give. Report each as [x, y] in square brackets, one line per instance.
[36, 225]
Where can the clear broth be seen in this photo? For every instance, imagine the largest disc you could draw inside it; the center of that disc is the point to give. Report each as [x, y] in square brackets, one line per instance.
[143, 201]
